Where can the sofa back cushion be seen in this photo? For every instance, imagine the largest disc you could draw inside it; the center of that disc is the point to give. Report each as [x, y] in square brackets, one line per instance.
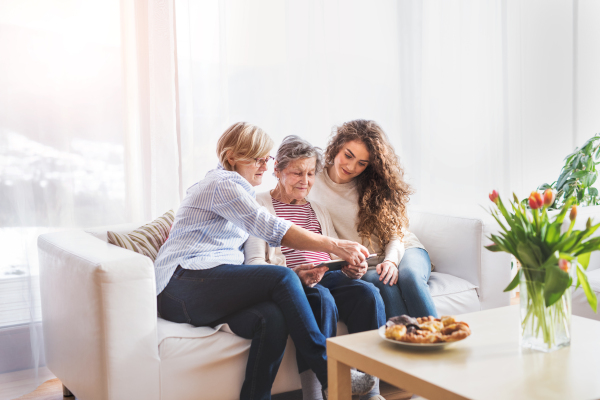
[147, 239]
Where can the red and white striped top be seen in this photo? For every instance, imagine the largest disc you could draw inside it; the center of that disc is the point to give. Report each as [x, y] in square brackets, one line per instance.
[304, 216]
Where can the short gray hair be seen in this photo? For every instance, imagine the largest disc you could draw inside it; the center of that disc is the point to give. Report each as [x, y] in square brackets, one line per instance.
[294, 148]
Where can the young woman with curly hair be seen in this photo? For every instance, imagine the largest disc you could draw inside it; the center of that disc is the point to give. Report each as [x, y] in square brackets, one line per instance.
[363, 189]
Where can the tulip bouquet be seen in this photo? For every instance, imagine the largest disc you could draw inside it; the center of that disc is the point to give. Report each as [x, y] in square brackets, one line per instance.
[549, 259]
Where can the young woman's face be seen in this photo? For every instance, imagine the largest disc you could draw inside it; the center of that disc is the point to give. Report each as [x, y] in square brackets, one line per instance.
[350, 162]
[249, 170]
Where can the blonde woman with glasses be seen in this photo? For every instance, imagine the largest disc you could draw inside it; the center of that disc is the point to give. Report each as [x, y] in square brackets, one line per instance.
[201, 279]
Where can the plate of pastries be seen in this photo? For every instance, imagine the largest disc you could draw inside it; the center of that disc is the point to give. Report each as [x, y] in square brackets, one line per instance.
[425, 331]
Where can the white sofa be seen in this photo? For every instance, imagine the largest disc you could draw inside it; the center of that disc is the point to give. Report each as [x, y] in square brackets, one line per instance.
[579, 300]
[104, 341]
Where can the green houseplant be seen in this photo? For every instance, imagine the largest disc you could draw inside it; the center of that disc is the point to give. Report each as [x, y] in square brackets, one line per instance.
[577, 177]
[549, 260]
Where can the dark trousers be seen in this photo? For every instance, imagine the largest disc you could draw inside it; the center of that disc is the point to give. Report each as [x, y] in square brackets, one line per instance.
[259, 302]
[355, 301]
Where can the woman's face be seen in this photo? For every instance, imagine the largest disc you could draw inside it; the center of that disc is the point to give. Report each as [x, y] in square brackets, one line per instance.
[249, 170]
[297, 178]
[350, 162]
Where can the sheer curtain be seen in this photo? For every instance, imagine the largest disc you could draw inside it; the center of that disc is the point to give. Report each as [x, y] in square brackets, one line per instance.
[88, 137]
[430, 73]
[291, 67]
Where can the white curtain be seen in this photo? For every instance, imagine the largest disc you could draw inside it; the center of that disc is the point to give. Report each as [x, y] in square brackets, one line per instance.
[430, 73]
[291, 67]
[88, 137]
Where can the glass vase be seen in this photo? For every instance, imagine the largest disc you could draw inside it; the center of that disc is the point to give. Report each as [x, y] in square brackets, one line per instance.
[543, 328]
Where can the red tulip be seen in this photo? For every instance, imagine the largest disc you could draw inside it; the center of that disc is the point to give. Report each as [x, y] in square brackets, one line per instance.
[549, 196]
[573, 213]
[564, 265]
[494, 196]
[535, 200]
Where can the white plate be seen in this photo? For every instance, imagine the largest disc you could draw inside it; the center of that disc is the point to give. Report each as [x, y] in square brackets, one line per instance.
[415, 345]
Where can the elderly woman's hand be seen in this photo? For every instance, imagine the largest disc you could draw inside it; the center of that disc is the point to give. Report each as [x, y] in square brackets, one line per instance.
[356, 271]
[388, 272]
[309, 274]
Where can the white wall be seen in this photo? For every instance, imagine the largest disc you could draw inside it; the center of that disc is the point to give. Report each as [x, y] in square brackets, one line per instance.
[539, 90]
[587, 94]
[553, 91]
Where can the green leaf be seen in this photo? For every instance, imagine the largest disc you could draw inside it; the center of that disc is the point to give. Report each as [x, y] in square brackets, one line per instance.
[584, 260]
[537, 251]
[556, 282]
[514, 283]
[494, 248]
[552, 260]
[580, 174]
[566, 256]
[589, 246]
[589, 293]
[527, 255]
[553, 233]
[580, 196]
[592, 179]
[590, 231]
[593, 191]
[562, 179]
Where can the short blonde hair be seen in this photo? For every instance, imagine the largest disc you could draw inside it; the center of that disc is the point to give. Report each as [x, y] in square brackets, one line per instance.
[244, 141]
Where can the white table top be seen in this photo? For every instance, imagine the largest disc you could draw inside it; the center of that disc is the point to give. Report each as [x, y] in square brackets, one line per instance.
[490, 364]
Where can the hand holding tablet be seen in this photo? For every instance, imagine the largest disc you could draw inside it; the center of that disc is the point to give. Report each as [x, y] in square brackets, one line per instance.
[335, 265]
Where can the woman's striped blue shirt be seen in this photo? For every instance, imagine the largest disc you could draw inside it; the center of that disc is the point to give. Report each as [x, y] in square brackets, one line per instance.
[212, 224]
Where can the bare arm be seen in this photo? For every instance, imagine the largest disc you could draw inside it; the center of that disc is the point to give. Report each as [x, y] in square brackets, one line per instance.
[301, 239]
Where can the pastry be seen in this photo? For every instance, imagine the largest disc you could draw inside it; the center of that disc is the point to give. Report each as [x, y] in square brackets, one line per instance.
[426, 329]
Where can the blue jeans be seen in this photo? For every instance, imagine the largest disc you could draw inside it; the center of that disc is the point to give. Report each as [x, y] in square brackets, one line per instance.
[259, 302]
[410, 295]
[356, 302]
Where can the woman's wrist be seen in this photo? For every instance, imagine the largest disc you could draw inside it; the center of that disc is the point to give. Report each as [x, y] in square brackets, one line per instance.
[332, 246]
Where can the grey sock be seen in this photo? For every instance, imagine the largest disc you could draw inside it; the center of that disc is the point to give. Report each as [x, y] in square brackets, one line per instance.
[362, 383]
[311, 387]
[373, 392]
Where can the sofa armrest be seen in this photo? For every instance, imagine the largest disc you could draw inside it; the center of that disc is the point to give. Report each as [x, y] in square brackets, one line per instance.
[99, 317]
[455, 243]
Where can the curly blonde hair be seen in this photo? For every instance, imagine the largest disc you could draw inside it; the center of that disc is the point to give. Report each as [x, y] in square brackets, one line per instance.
[382, 192]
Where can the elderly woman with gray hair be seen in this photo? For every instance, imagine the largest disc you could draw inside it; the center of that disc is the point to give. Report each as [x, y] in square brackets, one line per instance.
[331, 294]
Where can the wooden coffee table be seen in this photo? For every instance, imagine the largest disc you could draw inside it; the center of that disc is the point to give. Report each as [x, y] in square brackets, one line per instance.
[490, 364]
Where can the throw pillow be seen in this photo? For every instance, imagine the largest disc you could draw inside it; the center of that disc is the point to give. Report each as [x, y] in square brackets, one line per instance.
[146, 239]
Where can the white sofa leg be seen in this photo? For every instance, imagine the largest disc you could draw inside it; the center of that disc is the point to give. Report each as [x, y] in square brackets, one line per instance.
[66, 392]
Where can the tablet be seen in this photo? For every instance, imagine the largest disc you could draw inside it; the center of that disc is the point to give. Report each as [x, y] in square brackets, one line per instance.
[335, 265]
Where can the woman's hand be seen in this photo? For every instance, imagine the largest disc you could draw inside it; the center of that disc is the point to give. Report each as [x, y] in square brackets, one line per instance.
[352, 252]
[309, 274]
[356, 271]
[388, 272]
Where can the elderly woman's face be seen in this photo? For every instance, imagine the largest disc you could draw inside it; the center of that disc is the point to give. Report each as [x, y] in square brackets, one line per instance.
[297, 178]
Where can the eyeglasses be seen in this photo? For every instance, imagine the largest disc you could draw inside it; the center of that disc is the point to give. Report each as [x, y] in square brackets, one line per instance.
[259, 162]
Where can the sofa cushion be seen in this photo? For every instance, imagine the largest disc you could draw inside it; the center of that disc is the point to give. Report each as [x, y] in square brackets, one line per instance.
[452, 295]
[216, 355]
[146, 239]
[100, 231]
